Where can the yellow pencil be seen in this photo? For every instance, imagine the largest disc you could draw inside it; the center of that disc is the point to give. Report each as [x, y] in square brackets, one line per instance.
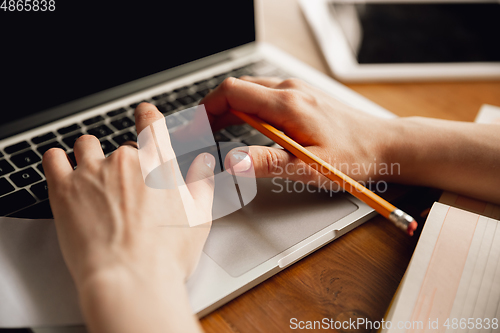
[383, 207]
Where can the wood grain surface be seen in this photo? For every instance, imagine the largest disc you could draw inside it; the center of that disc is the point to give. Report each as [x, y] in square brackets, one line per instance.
[358, 274]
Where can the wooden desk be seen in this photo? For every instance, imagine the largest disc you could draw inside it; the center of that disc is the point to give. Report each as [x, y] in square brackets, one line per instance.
[356, 275]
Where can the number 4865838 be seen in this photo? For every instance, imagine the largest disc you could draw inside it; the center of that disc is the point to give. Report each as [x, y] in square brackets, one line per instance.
[28, 5]
[471, 323]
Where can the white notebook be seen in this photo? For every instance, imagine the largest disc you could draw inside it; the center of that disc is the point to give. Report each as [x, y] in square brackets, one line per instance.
[452, 283]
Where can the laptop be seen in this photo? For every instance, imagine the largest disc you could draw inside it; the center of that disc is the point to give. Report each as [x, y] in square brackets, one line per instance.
[84, 68]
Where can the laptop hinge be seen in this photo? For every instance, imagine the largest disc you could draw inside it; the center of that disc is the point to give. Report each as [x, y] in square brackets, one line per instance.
[243, 51]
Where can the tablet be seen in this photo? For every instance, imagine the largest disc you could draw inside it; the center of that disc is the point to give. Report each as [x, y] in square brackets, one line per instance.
[407, 40]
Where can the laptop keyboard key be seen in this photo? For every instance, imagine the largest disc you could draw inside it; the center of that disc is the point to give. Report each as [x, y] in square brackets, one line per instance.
[122, 123]
[203, 92]
[41, 190]
[160, 96]
[173, 121]
[189, 114]
[122, 138]
[24, 159]
[15, 201]
[93, 120]
[134, 105]
[182, 91]
[239, 130]
[72, 158]
[100, 131]
[107, 147]
[70, 140]
[258, 139]
[40, 168]
[5, 186]
[55, 144]
[186, 100]
[5, 167]
[201, 82]
[17, 147]
[40, 210]
[68, 129]
[219, 137]
[220, 78]
[241, 72]
[25, 177]
[166, 107]
[116, 112]
[42, 138]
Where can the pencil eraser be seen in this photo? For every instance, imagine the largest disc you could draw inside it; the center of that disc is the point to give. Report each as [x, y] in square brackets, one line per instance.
[412, 227]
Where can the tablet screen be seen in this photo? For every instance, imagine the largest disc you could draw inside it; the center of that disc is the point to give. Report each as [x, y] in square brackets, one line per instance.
[382, 33]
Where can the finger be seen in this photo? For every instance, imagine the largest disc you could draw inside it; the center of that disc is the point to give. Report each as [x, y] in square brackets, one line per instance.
[197, 195]
[56, 166]
[148, 116]
[266, 162]
[131, 144]
[125, 161]
[88, 149]
[145, 115]
[230, 119]
[155, 148]
[223, 121]
[269, 104]
[200, 180]
[270, 82]
[292, 83]
[197, 129]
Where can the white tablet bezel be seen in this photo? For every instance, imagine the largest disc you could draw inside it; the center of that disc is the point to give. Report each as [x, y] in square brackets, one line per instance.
[344, 66]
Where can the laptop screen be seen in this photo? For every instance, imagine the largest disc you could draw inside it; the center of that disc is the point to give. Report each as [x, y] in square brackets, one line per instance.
[76, 48]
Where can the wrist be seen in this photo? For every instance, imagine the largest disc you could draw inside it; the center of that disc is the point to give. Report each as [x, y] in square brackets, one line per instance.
[122, 300]
[418, 149]
[398, 149]
[125, 276]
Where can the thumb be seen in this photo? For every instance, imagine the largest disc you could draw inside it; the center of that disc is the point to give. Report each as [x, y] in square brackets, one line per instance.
[200, 180]
[267, 162]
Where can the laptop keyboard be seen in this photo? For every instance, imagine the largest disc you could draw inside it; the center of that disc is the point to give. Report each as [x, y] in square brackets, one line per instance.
[23, 189]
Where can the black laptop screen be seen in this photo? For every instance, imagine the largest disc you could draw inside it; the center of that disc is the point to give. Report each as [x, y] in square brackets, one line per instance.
[49, 58]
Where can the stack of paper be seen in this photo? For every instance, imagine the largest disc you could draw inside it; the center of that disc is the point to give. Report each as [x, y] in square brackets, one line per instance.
[453, 281]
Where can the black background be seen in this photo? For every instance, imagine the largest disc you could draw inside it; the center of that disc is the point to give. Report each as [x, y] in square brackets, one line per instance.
[49, 58]
[428, 33]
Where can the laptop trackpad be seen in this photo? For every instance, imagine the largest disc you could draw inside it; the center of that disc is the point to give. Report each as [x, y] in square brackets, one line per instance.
[270, 224]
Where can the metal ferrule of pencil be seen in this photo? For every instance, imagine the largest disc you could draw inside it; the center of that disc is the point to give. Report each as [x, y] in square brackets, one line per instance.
[400, 219]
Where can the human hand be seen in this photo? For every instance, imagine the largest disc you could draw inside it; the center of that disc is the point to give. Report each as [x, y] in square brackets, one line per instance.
[110, 225]
[350, 140]
[128, 247]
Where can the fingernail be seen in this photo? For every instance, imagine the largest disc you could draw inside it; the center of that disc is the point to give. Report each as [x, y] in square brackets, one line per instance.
[240, 161]
[209, 160]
